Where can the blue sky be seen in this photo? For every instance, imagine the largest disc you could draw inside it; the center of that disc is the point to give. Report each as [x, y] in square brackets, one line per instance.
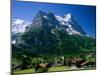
[85, 15]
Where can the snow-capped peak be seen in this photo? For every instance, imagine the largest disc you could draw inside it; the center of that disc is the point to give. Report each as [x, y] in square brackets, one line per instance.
[65, 19]
[19, 26]
[67, 24]
[68, 16]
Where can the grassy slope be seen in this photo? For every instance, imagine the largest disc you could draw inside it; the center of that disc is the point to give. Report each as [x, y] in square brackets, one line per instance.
[52, 69]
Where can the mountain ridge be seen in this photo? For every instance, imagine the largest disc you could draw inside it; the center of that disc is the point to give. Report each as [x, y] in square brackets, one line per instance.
[66, 23]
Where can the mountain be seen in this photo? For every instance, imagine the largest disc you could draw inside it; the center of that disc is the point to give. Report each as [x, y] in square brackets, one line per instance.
[46, 23]
[49, 21]
[19, 26]
[66, 23]
[49, 34]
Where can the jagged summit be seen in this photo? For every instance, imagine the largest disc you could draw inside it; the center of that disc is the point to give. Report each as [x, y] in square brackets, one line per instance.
[41, 13]
[45, 20]
[68, 16]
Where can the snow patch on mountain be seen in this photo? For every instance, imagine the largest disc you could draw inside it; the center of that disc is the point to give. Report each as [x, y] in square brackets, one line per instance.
[64, 20]
[66, 23]
[13, 42]
[45, 16]
[19, 26]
